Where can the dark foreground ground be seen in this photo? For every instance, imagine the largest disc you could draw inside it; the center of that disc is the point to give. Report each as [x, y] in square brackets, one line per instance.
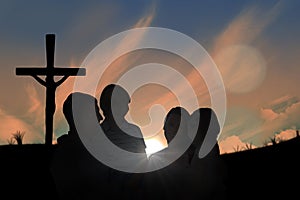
[265, 173]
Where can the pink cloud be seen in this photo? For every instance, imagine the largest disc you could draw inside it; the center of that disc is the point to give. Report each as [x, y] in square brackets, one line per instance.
[286, 134]
[274, 123]
[268, 114]
[232, 144]
[246, 27]
[280, 100]
[240, 63]
[10, 124]
[35, 107]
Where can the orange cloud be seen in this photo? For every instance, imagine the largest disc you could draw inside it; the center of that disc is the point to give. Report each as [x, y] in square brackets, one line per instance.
[10, 124]
[241, 64]
[268, 114]
[260, 128]
[283, 121]
[111, 75]
[246, 27]
[243, 69]
[36, 109]
[232, 144]
[119, 66]
[146, 20]
[286, 134]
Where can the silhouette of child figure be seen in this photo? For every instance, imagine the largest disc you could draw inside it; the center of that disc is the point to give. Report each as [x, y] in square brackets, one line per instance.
[176, 123]
[77, 174]
[167, 182]
[114, 102]
[208, 171]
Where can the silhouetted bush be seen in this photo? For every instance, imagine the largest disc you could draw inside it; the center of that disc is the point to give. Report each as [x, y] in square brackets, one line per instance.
[18, 136]
[11, 141]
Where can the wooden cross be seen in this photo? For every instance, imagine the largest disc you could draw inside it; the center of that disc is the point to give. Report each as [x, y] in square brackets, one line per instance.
[50, 71]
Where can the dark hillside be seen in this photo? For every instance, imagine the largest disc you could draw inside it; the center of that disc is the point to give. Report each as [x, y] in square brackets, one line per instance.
[270, 172]
[24, 171]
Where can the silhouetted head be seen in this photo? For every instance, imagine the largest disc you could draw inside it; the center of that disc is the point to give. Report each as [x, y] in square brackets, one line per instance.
[82, 102]
[175, 121]
[207, 122]
[114, 101]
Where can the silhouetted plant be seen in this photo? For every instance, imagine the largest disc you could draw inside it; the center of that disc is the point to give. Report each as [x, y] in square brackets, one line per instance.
[266, 143]
[248, 146]
[279, 139]
[237, 148]
[11, 141]
[273, 140]
[18, 136]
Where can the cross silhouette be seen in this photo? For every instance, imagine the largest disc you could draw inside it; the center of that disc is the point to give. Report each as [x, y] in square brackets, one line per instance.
[50, 72]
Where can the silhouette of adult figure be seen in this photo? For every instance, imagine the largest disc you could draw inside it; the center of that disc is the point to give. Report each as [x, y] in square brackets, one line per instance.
[166, 183]
[209, 171]
[77, 174]
[114, 102]
[84, 99]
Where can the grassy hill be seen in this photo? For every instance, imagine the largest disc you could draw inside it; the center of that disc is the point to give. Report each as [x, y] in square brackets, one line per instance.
[269, 172]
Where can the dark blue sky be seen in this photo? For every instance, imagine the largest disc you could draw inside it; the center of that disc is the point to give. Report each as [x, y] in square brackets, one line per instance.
[25, 22]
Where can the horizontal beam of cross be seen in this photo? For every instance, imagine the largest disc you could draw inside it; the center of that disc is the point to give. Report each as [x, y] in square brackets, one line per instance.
[56, 71]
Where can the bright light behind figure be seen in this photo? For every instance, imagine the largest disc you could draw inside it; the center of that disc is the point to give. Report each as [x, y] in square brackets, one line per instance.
[153, 145]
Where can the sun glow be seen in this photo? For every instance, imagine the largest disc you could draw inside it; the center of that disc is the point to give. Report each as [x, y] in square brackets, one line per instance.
[153, 145]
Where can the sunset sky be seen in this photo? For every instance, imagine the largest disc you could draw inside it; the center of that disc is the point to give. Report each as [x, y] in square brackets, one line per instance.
[254, 44]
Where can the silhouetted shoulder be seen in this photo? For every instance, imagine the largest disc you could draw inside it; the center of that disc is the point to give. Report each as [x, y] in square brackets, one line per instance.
[133, 129]
[62, 139]
[135, 133]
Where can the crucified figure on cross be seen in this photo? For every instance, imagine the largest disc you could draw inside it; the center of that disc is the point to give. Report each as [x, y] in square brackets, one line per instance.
[50, 72]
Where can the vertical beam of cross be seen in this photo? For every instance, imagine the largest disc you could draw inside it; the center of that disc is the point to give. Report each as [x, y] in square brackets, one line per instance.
[50, 88]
